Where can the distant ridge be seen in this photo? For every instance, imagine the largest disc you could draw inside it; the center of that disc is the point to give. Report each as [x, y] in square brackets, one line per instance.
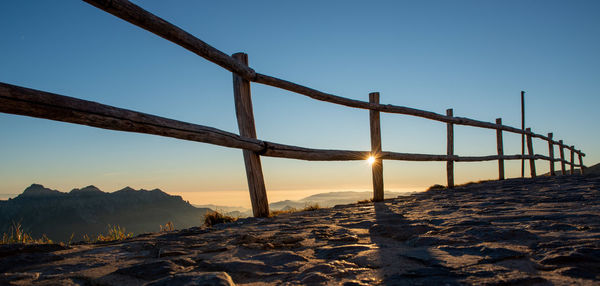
[325, 200]
[89, 210]
[331, 199]
[36, 190]
[589, 171]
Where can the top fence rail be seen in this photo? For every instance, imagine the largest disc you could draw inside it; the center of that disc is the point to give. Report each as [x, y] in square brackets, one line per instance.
[138, 16]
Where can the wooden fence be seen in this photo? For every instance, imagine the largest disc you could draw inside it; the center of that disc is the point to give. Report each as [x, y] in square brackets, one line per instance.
[35, 103]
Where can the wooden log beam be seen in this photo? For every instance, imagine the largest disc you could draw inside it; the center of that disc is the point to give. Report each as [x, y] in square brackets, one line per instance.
[530, 151]
[561, 148]
[450, 150]
[551, 154]
[500, 148]
[40, 104]
[138, 16]
[388, 108]
[581, 167]
[245, 119]
[377, 164]
[523, 135]
[572, 172]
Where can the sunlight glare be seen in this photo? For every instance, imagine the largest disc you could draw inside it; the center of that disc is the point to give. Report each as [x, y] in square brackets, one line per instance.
[371, 160]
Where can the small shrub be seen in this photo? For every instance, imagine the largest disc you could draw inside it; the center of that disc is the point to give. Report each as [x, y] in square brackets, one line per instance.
[364, 201]
[213, 218]
[115, 233]
[312, 207]
[276, 213]
[167, 227]
[436, 187]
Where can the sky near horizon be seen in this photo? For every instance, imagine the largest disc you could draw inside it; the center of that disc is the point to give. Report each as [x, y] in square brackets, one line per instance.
[472, 56]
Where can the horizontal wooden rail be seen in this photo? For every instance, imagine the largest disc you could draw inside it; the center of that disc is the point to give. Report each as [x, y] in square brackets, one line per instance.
[35, 103]
[30, 102]
[138, 16]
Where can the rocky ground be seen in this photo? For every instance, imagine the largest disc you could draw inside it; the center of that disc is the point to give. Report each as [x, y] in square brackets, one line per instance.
[543, 231]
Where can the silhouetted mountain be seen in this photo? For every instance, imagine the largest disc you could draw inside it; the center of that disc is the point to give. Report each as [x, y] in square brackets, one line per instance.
[89, 211]
[589, 171]
[593, 170]
[38, 191]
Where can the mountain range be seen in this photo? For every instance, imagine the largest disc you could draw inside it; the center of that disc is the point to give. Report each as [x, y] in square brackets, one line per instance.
[60, 215]
[89, 211]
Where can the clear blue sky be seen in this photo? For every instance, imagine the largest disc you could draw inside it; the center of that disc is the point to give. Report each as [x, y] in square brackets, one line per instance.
[473, 56]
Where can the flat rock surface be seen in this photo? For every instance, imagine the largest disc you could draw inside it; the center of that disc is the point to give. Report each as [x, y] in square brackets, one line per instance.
[543, 231]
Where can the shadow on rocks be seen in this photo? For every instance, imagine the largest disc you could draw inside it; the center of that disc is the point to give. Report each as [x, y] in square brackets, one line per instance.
[419, 265]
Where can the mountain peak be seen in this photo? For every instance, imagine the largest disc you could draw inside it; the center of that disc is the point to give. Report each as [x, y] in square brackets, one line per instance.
[91, 189]
[126, 189]
[37, 190]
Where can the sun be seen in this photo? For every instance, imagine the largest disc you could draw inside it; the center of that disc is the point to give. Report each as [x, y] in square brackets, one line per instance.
[371, 160]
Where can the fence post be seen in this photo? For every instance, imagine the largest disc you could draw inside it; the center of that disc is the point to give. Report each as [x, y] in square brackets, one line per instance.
[500, 148]
[562, 157]
[377, 166]
[572, 160]
[531, 154]
[551, 153]
[581, 167]
[523, 135]
[450, 150]
[245, 118]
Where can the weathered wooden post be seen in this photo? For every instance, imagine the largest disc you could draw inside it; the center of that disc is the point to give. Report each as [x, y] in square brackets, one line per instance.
[450, 150]
[500, 148]
[551, 153]
[562, 157]
[245, 118]
[377, 166]
[531, 154]
[572, 160]
[523, 135]
[581, 167]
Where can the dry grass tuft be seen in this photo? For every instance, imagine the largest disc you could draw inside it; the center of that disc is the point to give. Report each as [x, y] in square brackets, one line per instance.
[169, 226]
[213, 218]
[364, 201]
[115, 233]
[312, 207]
[436, 187]
[276, 213]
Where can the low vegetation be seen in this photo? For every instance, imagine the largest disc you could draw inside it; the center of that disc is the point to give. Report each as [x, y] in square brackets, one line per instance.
[167, 227]
[279, 212]
[311, 207]
[436, 187]
[213, 218]
[16, 234]
[115, 233]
